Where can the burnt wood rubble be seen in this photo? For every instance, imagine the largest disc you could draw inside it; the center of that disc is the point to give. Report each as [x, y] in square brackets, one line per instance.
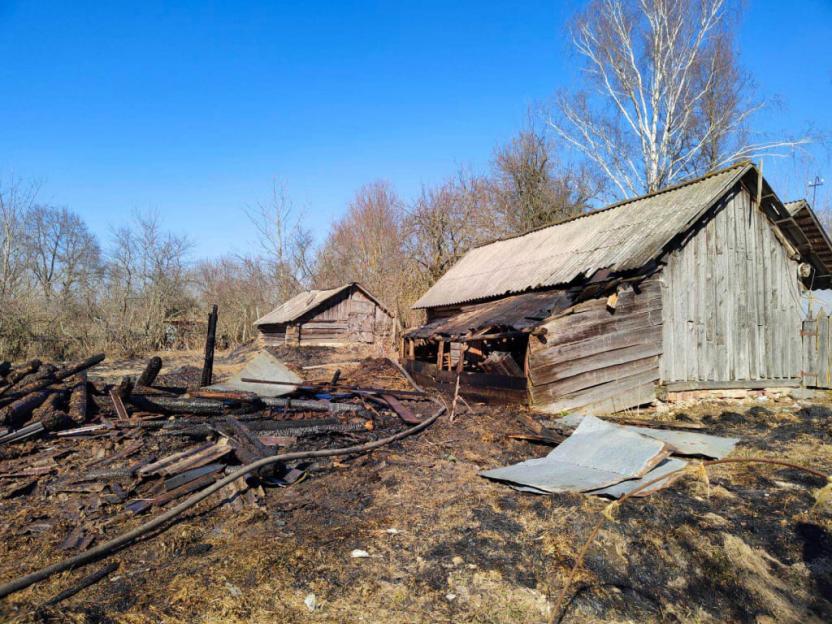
[157, 447]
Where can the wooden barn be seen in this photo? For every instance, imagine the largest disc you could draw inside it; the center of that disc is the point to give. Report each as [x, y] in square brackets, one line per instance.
[697, 286]
[347, 315]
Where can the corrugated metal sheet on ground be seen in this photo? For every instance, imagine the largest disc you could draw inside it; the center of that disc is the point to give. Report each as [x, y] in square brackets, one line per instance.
[624, 236]
[518, 313]
[597, 455]
[264, 366]
[683, 442]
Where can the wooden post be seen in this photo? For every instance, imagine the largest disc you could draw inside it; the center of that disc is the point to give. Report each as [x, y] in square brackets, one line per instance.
[440, 353]
[148, 376]
[411, 349]
[210, 342]
[460, 365]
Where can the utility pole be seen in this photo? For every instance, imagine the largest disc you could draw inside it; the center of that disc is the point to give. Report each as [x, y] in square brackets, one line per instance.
[814, 184]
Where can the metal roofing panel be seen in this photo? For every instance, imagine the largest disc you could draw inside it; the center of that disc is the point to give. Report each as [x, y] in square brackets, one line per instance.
[519, 312]
[621, 237]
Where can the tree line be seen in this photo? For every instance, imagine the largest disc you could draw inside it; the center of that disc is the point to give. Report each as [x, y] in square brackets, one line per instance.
[64, 292]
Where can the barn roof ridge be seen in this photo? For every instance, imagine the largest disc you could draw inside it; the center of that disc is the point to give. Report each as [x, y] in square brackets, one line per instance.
[623, 202]
[621, 237]
[298, 305]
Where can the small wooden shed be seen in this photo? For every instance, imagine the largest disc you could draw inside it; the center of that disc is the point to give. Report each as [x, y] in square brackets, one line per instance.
[694, 287]
[346, 315]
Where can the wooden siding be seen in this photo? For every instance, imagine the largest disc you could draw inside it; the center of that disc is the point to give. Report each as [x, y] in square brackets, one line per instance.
[596, 359]
[349, 317]
[731, 301]
[817, 351]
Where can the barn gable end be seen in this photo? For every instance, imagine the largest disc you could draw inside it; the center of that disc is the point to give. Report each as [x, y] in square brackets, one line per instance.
[337, 317]
[731, 300]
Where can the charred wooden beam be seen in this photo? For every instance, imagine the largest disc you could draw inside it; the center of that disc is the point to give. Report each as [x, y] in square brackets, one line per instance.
[181, 405]
[62, 374]
[22, 434]
[19, 373]
[150, 372]
[305, 385]
[224, 395]
[247, 446]
[290, 428]
[87, 581]
[51, 413]
[312, 406]
[210, 342]
[21, 410]
[5, 368]
[78, 400]
[118, 404]
[27, 368]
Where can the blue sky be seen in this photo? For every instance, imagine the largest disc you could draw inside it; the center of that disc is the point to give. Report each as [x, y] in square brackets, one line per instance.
[191, 109]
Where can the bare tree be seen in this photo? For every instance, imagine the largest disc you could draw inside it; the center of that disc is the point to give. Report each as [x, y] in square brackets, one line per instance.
[16, 199]
[285, 244]
[668, 98]
[147, 284]
[367, 246]
[446, 221]
[533, 189]
[62, 253]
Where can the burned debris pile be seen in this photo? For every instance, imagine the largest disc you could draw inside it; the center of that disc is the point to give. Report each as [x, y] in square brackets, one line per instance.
[81, 458]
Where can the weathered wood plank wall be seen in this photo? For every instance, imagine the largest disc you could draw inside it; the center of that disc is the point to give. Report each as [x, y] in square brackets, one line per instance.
[350, 318]
[597, 359]
[731, 301]
[817, 351]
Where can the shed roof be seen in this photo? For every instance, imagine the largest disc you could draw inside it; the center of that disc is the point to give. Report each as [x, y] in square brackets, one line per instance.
[307, 301]
[623, 236]
[518, 312]
[810, 238]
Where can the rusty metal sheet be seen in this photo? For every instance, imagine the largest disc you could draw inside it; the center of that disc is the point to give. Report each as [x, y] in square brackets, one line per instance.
[518, 312]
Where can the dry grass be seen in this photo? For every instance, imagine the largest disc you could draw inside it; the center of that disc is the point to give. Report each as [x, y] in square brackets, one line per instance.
[448, 546]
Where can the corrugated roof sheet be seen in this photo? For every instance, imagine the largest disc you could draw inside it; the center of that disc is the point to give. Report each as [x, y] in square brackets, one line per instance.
[621, 237]
[308, 300]
[299, 305]
[518, 312]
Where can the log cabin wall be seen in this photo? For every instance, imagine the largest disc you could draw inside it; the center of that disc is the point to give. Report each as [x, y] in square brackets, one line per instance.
[596, 358]
[731, 302]
[347, 318]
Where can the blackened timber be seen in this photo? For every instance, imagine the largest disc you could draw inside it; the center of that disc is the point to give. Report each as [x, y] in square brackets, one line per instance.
[179, 405]
[210, 342]
[62, 374]
[19, 412]
[248, 446]
[87, 581]
[78, 400]
[150, 372]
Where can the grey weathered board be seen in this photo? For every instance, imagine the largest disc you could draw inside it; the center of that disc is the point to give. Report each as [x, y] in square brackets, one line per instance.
[595, 358]
[817, 352]
[732, 301]
[348, 317]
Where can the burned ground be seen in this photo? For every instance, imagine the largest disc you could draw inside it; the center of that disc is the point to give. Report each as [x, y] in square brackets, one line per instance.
[445, 545]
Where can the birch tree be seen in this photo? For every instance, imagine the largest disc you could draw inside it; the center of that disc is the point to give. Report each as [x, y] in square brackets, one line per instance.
[665, 97]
